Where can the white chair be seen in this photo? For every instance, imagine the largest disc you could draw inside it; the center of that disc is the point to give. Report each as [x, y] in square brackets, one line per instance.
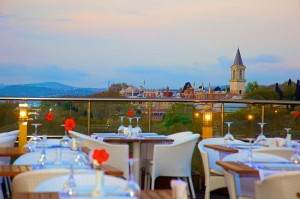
[119, 153]
[174, 160]
[175, 136]
[214, 176]
[242, 187]
[279, 186]
[83, 181]
[6, 141]
[28, 181]
[147, 148]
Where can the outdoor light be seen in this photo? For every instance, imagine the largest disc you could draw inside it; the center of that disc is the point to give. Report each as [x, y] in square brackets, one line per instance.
[250, 117]
[23, 111]
[196, 114]
[207, 116]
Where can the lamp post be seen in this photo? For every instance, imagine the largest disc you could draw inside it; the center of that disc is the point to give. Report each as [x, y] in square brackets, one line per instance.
[23, 124]
[207, 130]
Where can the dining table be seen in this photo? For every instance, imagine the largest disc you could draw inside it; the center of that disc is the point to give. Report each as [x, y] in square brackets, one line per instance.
[144, 194]
[13, 170]
[136, 144]
[13, 151]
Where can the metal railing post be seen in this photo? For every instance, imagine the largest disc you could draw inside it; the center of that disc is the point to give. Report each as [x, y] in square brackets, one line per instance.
[263, 113]
[89, 117]
[149, 115]
[222, 119]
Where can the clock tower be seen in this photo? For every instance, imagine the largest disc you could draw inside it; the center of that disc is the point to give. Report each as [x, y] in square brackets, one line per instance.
[237, 79]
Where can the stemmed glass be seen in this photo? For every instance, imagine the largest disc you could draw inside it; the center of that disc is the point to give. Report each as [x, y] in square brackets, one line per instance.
[132, 188]
[250, 153]
[137, 129]
[261, 139]
[228, 138]
[65, 141]
[70, 188]
[295, 158]
[130, 129]
[81, 158]
[121, 127]
[35, 139]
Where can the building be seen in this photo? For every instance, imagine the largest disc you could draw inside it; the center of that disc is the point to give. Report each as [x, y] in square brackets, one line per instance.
[237, 79]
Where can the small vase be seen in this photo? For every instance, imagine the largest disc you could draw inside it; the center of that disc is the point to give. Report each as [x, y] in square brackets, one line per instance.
[98, 190]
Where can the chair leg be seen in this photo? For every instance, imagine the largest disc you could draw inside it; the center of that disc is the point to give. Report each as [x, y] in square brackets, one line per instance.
[192, 187]
[207, 193]
[6, 186]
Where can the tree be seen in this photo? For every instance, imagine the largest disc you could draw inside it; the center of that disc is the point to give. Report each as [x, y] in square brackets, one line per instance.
[252, 86]
[278, 91]
[262, 93]
[297, 91]
[179, 116]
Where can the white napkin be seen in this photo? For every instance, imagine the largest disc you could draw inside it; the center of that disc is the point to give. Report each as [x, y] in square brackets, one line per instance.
[179, 189]
[279, 141]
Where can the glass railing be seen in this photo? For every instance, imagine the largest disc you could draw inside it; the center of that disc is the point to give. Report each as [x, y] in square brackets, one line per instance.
[163, 115]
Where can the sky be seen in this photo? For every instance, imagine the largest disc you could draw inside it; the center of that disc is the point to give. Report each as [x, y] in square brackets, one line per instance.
[157, 43]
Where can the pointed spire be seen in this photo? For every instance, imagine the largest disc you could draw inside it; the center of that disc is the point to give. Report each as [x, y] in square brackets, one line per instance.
[238, 59]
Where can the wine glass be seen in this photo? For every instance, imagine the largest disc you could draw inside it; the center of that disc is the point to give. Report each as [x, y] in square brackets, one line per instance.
[295, 158]
[132, 188]
[65, 141]
[261, 138]
[130, 129]
[228, 138]
[121, 127]
[70, 188]
[81, 158]
[137, 129]
[35, 140]
[288, 137]
[250, 153]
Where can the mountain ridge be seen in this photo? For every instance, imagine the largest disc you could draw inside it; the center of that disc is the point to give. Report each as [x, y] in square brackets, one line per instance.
[45, 89]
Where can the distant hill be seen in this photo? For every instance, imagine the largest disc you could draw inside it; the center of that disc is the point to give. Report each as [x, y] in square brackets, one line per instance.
[45, 89]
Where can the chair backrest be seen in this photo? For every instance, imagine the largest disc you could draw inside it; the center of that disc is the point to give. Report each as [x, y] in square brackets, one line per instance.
[119, 153]
[174, 159]
[279, 151]
[175, 136]
[83, 181]
[27, 181]
[278, 186]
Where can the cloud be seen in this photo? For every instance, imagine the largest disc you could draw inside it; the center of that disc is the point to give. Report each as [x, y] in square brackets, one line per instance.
[271, 59]
[19, 72]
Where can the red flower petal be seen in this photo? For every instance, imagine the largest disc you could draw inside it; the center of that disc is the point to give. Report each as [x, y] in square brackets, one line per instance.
[49, 116]
[70, 124]
[130, 113]
[100, 155]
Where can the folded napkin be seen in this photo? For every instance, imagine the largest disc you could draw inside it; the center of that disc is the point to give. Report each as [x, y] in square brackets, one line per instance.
[179, 189]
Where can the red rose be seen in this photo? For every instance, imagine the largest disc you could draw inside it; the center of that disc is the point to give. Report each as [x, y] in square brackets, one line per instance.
[49, 116]
[130, 113]
[295, 113]
[100, 155]
[70, 124]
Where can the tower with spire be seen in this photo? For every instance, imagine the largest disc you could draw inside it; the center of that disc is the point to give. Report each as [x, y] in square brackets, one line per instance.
[237, 79]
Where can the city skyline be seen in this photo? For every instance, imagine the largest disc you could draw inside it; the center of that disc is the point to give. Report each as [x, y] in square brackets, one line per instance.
[164, 43]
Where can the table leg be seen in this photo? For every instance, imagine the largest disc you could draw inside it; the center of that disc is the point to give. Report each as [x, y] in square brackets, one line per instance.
[136, 166]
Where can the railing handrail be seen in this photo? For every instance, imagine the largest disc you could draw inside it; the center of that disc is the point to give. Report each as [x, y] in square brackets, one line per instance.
[242, 101]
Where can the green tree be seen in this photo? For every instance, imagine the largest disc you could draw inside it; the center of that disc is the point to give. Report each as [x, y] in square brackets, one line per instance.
[252, 86]
[262, 93]
[179, 117]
